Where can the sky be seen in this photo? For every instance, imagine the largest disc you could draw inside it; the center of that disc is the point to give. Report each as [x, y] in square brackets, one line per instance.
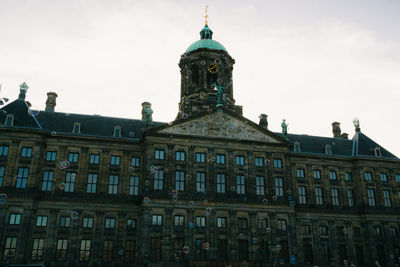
[310, 62]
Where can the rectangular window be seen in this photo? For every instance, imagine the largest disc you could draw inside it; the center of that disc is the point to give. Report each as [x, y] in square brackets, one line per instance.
[180, 156]
[260, 185]
[348, 176]
[300, 173]
[308, 254]
[22, 177]
[113, 185]
[278, 184]
[37, 249]
[201, 182]
[332, 175]
[159, 154]
[135, 162]
[179, 220]
[200, 252]
[282, 225]
[10, 246]
[222, 248]
[220, 183]
[73, 157]
[155, 249]
[134, 185]
[92, 183]
[278, 163]
[371, 197]
[397, 178]
[61, 249]
[178, 248]
[131, 223]
[2, 171]
[323, 230]
[41, 221]
[335, 196]
[201, 157]
[84, 251]
[94, 158]
[115, 160]
[107, 251]
[221, 222]
[356, 231]
[240, 185]
[350, 197]
[393, 231]
[51, 155]
[158, 179]
[259, 162]
[306, 229]
[239, 160]
[386, 198]
[384, 177]
[109, 223]
[242, 223]
[15, 218]
[26, 152]
[201, 221]
[368, 176]
[87, 222]
[319, 198]
[220, 159]
[156, 219]
[70, 181]
[317, 174]
[129, 251]
[243, 250]
[65, 222]
[302, 195]
[179, 180]
[262, 223]
[47, 180]
[3, 151]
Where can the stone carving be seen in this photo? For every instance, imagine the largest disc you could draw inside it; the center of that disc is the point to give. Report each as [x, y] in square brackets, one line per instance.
[284, 126]
[147, 113]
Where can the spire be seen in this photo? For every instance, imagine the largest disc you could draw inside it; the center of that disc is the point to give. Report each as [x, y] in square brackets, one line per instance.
[206, 16]
[206, 33]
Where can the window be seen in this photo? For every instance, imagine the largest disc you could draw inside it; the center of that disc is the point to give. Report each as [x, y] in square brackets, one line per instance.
[115, 160]
[306, 229]
[87, 222]
[22, 178]
[332, 175]
[130, 251]
[356, 231]
[397, 178]
[51, 155]
[158, 179]
[259, 162]
[378, 152]
[94, 158]
[239, 160]
[377, 230]
[135, 162]
[155, 249]
[278, 163]
[220, 159]
[371, 197]
[159, 154]
[260, 185]
[384, 178]
[200, 253]
[107, 250]
[61, 249]
[243, 250]
[156, 219]
[92, 182]
[134, 185]
[3, 151]
[323, 230]
[348, 176]
[300, 173]
[240, 185]
[220, 183]
[26, 152]
[297, 147]
[178, 248]
[317, 174]
[201, 157]
[328, 150]
[278, 182]
[37, 249]
[282, 225]
[9, 120]
[65, 222]
[201, 221]
[41, 221]
[10, 246]
[386, 198]
[335, 196]
[76, 128]
[368, 176]
[308, 254]
[200, 182]
[221, 222]
[15, 218]
[2, 171]
[350, 197]
[73, 157]
[113, 185]
[262, 223]
[180, 156]
[131, 223]
[319, 198]
[179, 220]
[393, 231]
[117, 131]
[70, 181]
[302, 195]
[109, 223]
[179, 180]
[47, 180]
[242, 223]
[84, 252]
[222, 248]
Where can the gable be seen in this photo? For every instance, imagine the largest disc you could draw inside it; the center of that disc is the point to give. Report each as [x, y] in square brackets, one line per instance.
[221, 125]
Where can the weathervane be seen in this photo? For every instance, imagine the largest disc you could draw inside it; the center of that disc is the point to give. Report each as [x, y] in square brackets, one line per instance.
[206, 16]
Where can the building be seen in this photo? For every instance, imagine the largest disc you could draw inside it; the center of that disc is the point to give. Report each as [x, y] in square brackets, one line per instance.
[211, 188]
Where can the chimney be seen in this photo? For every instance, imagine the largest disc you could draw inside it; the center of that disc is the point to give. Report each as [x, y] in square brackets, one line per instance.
[336, 129]
[263, 121]
[51, 101]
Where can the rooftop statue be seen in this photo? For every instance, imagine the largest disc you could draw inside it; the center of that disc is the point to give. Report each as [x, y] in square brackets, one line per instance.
[284, 127]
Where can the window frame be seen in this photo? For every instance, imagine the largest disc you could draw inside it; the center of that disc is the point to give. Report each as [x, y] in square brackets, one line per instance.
[220, 159]
[180, 180]
[91, 185]
[240, 184]
[26, 152]
[134, 185]
[159, 154]
[200, 157]
[221, 183]
[51, 156]
[47, 182]
[201, 182]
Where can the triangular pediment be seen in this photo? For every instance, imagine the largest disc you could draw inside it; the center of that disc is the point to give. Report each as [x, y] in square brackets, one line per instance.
[220, 124]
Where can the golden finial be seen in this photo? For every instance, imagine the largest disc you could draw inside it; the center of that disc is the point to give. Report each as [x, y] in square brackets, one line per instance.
[206, 16]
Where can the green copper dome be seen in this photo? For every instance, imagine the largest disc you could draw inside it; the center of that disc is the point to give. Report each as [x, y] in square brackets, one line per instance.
[206, 41]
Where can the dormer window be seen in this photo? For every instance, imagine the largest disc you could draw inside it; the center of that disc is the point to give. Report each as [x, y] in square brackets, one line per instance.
[117, 131]
[377, 151]
[328, 150]
[77, 128]
[297, 147]
[9, 120]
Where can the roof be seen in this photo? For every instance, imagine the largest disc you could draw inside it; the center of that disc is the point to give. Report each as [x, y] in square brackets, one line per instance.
[206, 43]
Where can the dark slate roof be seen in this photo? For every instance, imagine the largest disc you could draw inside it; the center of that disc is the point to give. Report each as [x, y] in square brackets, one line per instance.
[22, 119]
[365, 146]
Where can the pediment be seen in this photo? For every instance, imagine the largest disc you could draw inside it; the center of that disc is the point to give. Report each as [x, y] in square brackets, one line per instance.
[221, 125]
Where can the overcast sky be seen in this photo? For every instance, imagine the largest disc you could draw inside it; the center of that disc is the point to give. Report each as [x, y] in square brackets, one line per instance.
[310, 62]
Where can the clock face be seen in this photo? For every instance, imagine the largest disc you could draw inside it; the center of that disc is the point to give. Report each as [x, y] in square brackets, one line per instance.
[213, 68]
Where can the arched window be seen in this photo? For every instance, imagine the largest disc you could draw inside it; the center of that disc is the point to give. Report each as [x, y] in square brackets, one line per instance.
[9, 120]
[377, 151]
[328, 150]
[297, 147]
[117, 131]
[77, 128]
[195, 74]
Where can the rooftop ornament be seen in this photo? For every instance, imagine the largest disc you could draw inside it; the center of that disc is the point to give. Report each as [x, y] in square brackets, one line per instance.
[220, 92]
[356, 123]
[284, 126]
[22, 90]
